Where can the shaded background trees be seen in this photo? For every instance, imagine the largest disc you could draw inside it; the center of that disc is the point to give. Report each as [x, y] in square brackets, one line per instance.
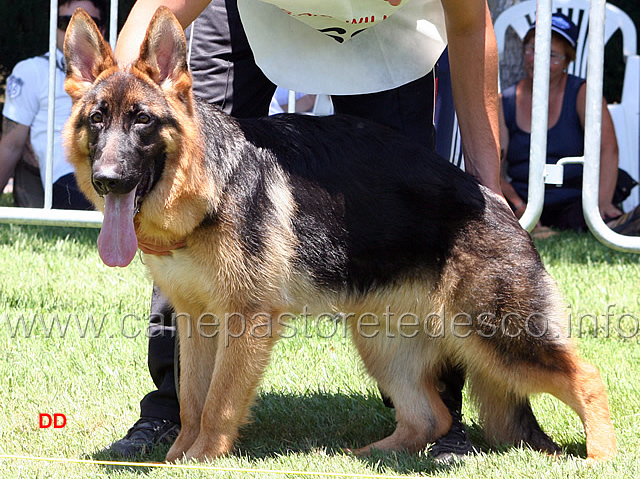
[24, 31]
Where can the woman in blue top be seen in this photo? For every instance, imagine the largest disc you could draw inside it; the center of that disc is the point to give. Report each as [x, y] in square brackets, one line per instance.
[567, 93]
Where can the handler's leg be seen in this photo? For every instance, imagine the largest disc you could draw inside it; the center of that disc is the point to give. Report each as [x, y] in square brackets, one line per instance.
[159, 421]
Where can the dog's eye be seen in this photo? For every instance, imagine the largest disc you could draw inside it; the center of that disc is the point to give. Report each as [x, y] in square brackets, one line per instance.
[143, 118]
[96, 117]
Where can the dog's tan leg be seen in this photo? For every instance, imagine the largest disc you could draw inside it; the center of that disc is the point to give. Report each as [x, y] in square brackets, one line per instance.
[398, 365]
[421, 418]
[507, 418]
[576, 383]
[243, 354]
[197, 360]
[582, 389]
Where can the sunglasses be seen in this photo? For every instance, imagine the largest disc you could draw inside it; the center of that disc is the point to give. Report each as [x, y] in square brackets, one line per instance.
[63, 22]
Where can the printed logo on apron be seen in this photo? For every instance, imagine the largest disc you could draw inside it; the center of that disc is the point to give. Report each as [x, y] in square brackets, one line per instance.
[338, 19]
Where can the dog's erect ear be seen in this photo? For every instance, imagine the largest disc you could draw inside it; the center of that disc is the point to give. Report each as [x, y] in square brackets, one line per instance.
[86, 53]
[163, 54]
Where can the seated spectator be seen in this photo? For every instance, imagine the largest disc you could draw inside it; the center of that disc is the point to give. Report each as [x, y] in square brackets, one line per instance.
[24, 125]
[567, 94]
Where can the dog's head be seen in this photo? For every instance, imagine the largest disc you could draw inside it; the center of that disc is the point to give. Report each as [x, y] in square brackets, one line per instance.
[127, 124]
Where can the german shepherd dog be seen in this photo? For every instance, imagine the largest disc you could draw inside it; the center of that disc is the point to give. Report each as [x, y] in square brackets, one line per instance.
[282, 214]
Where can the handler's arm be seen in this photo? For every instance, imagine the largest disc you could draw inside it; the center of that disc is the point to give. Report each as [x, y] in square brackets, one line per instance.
[133, 31]
[473, 59]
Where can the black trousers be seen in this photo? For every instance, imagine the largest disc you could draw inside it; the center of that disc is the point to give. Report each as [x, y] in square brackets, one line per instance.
[225, 73]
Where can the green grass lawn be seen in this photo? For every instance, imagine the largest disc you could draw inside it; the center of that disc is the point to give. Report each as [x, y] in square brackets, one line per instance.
[315, 398]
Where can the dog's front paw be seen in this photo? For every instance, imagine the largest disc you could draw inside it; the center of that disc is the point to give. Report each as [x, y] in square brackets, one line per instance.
[360, 452]
[175, 454]
[183, 442]
[203, 449]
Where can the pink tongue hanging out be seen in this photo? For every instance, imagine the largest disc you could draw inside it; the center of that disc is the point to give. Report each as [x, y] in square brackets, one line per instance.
[117, 243]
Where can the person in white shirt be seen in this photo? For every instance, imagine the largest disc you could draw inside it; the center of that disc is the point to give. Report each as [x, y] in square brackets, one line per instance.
[25, 112]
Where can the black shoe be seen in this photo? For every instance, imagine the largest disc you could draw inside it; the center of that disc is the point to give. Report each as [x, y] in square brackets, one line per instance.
[143, 436]
[454, 445]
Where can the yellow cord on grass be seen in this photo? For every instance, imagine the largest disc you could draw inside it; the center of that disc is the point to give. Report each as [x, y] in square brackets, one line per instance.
[203, 468]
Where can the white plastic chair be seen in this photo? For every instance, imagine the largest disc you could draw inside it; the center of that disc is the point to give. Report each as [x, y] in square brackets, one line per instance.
[626, 114]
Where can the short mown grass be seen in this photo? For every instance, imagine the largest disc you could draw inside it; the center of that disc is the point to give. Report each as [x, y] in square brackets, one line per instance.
[315, 398]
